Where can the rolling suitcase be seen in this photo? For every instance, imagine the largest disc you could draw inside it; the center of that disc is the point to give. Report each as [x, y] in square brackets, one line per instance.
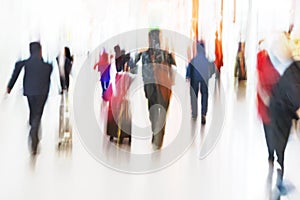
[65, 128]
[119, 122]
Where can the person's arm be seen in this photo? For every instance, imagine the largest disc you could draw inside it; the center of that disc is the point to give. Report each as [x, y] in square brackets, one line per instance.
[172, 59]
[188, 72]
[137, 57]
[263, 95]
[294, 97]
[68, 66]
[298, 112]
[95, 66]
[18, 67]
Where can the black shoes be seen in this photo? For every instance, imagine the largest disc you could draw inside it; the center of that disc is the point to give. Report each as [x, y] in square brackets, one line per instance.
[203, 119]
[271, 159]
[34, 147]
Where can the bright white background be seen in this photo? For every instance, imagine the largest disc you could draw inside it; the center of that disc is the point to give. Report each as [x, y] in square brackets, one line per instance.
[236, 169]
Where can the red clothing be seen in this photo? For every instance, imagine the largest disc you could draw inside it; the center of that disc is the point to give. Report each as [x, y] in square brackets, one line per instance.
[103, 62]
[122, 84]
[218, 53]
[267, 78]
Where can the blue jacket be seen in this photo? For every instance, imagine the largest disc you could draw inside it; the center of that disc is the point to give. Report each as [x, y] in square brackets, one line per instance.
[199, 66]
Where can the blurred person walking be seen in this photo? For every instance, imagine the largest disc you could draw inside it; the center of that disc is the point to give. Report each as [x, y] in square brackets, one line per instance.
[240, 70]
[284, 107]
[158, 79]
[65, 62]
[103, 66]
[267, 78]
[284, 102]
[36, 84]
[198, 73]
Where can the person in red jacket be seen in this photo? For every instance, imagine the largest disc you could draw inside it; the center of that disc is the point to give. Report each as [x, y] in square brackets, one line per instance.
[267, 78]
[219, 54]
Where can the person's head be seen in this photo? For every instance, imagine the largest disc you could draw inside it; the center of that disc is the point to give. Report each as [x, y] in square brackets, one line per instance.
[68, 53]
[117, 50]
[200, 47]
[35, 48]
[103, 57]
[294, 37]
[281, 48]
[154, 38]
[241, 46]
[217, 34]
[123, 52]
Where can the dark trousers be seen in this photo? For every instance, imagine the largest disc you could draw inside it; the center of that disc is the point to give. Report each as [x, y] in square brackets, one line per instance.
[281, 123]
[104, 85]
[270, 141]
[280, 145]
[194, 96]
[151, 95]
[157, 107]
[36, 106]
[65, 82]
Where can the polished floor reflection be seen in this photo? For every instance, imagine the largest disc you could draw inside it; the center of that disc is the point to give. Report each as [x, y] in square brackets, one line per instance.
[236, 168]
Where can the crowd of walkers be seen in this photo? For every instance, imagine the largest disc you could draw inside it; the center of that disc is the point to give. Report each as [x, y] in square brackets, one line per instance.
[36, 85]
[278, 91]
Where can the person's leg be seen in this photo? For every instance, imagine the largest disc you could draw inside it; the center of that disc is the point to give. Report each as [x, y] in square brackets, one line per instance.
[37, 107]
[160, 125]
[280, 149]
[204, 97]
[67, 81]
[237, 67]
[30, 103]
[204, 100]
[217, 71]
[106, 84]
[103, 87]
[194, 97]
[151, 95]
[269, 141]
[282, 131]
[62, 82]
[163, 95]
[158, 138]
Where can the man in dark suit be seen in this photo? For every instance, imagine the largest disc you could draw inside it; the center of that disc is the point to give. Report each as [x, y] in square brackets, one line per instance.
[36, 85]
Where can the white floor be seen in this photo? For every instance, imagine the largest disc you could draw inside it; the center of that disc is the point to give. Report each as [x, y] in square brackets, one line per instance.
[235, 169]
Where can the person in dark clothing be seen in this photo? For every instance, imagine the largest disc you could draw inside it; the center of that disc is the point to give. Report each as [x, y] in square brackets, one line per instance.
[284, 107]
[121, 58]
[267, 78]
[36, 84]
[132, 63]
[198, 72]
[65, 63]
[158, 80]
